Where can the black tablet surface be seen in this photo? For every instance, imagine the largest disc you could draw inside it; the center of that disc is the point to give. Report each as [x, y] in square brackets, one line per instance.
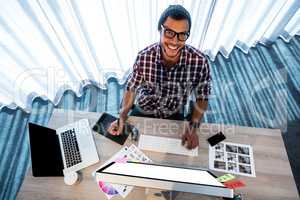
[103, 124]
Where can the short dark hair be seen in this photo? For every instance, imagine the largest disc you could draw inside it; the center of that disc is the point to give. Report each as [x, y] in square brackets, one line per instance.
[176, 12]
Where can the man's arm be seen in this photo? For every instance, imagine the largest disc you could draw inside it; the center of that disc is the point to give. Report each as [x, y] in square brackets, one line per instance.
[199, 109]
[190, 136]
[134, 81]
[116, 127]
[202, 92]
[128, 100]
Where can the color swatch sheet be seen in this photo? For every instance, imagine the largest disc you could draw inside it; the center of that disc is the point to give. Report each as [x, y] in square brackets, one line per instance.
[131, 153]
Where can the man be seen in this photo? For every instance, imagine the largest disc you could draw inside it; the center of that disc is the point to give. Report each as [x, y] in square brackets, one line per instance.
[165, 74]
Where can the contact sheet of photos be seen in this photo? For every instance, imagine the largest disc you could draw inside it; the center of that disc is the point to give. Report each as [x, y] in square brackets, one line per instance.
[232, 158]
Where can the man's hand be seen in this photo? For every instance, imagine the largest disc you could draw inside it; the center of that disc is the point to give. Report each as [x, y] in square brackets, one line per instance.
[190, 134]
[190, 138]
[116, 127]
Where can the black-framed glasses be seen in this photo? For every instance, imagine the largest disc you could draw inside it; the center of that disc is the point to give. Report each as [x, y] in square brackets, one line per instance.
[182, 36]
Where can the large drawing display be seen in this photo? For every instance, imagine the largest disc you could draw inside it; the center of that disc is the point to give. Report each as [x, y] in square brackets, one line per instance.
[163, 177]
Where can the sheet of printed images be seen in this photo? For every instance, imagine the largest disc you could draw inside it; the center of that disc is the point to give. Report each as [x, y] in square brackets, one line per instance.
[131, 153]
[232, 158]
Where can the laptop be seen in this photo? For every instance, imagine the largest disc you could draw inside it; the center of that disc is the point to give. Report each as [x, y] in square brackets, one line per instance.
[58, 152]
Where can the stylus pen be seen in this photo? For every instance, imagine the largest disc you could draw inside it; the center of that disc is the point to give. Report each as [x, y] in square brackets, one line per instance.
[118, 123]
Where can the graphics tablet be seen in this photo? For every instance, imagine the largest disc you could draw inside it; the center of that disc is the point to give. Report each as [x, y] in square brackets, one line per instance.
[103, 124]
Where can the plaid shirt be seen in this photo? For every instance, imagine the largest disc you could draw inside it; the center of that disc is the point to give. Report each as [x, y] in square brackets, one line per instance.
[163, 91]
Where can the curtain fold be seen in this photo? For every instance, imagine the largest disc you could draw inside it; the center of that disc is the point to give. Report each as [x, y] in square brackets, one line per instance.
[53, 46]
[259, 89]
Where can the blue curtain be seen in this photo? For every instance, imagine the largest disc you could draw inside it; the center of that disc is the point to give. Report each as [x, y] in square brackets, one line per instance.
[259, 89]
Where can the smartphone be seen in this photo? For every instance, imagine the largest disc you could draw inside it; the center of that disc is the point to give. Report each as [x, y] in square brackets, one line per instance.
[215, 139]
[103, 124]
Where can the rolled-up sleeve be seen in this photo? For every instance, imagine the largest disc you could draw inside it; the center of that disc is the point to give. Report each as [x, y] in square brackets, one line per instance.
[203, 89]
[135, 77]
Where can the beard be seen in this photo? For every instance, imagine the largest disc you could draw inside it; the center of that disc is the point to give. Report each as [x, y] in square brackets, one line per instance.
[171, 51]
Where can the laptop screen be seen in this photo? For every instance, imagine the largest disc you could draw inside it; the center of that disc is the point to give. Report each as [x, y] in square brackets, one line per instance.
[46, 155]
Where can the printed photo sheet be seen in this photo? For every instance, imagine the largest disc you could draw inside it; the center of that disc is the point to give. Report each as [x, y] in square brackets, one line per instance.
[232, 158]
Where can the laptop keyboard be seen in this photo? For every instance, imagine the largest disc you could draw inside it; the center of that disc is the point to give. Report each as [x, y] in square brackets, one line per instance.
[71, 149]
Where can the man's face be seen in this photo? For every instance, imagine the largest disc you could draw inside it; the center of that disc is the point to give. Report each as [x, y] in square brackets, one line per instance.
[171, 46]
